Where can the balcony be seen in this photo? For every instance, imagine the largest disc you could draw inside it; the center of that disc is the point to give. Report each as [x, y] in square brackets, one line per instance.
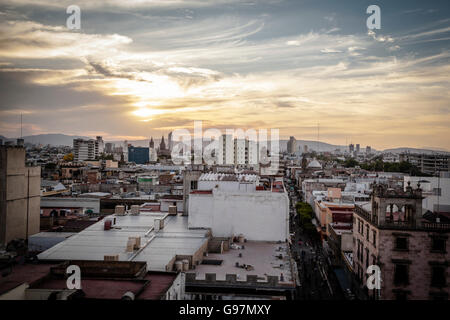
[401, 225]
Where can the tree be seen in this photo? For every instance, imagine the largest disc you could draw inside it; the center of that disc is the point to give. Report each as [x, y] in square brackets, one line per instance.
[68, 157]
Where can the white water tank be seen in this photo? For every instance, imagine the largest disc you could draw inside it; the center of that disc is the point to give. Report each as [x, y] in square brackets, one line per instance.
[178, 265]
[185, 265]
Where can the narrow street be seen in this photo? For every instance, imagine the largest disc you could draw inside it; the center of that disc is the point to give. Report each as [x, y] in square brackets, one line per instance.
[317, 279]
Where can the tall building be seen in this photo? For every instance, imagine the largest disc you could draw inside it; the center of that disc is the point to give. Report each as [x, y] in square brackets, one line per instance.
[109, 147]
[292, 145]
[428, 163]
[245, 152]
[357, 148]
[411, 252]
[19, 195]
[226, 150]
[138, 155]
[170, 141]
[101, 144]
[351, 148]
[125, 150]
[368, 150]
[85, 149]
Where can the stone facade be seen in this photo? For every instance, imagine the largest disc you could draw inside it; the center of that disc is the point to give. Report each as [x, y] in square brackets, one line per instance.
[412, 253]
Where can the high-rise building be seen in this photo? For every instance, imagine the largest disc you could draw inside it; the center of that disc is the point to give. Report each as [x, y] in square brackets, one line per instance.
[368, 150]
[125, 150]
[138, 155]
[357, 148]
[292, 145]
[109, 147]
[225, 153]
[351, 148]
[170, 141]
[85, 149]
[101, 144]
[19, 195]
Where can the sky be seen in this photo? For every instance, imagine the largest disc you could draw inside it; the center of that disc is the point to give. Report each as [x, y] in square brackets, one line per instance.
[141, 68]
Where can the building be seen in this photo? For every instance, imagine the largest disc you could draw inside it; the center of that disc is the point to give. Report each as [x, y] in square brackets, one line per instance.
[292, 145]
[358, 148]
[431, 164]
[368, 150]
[170, 142]
[411, 252]
[109, 147]
[101, 144]
[351, 148]
[242, 153]
[138, 155]
[225, 154]
[85, 149]
[152, 143]
[231, 204]
[19, 195]
[435, 190]
[101, 280]
[162, 145]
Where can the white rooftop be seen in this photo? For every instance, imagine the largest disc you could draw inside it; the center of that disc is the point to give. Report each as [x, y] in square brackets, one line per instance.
[158, 247]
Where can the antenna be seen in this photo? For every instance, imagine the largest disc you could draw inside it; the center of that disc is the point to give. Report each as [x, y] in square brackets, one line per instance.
[318, 135]
[21, 136]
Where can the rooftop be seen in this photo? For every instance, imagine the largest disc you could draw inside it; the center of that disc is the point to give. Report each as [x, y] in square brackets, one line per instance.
[262, 256]
[157, 247]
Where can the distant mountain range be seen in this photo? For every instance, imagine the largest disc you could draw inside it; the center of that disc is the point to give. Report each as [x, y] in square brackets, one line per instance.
[58, 139]
[54, 139]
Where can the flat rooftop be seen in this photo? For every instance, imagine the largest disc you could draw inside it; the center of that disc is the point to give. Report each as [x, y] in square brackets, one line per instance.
[262, 256]
[157, 247]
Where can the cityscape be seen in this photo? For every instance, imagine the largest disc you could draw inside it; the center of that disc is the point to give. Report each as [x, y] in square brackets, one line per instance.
[243, 161]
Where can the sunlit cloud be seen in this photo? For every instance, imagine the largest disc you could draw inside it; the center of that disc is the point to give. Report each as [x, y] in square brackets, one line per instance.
[227, 70]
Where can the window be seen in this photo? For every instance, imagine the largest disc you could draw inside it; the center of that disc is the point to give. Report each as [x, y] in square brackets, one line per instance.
[438, 276]
[401, 274]
[438, 245]
[401, 243]
[437, 192]
[374, 240]
[367, 258]
[367, 232]
[359, 246]
[194, 185]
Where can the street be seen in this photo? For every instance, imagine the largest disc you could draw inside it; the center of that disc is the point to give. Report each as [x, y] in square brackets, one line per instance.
[317, 279]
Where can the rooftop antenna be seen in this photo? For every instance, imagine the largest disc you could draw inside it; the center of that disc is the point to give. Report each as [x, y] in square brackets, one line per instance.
[318, 135]
[21, 136]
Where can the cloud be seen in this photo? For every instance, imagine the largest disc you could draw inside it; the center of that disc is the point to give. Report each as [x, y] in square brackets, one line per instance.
[229, 70]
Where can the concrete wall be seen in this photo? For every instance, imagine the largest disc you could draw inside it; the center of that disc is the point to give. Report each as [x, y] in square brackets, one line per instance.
[19, 196]
[259, 216]
[84, 203]
[166, 203]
